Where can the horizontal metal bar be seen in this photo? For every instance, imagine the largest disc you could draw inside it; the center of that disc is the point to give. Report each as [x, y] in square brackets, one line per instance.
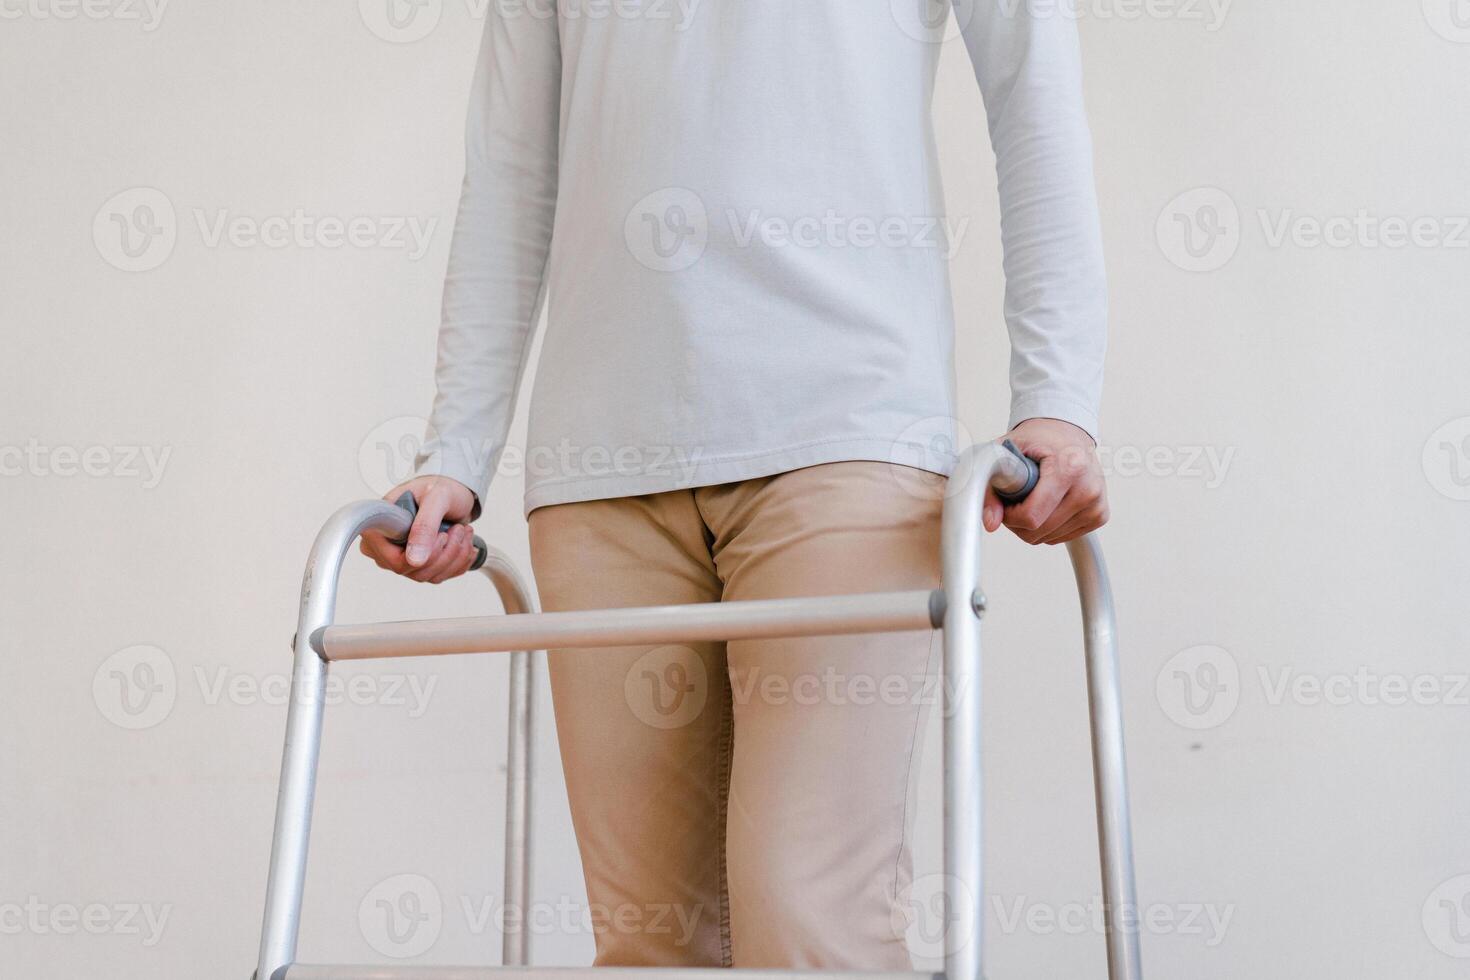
[880, 612]
[302, 971]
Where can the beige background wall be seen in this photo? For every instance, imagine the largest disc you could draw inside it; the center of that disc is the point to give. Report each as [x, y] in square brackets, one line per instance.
[1287, 423]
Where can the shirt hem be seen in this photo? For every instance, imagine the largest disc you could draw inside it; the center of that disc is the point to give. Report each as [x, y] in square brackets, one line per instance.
[733, 469]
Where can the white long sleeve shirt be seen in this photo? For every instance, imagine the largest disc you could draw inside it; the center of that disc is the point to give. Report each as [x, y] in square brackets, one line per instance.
[732, 211]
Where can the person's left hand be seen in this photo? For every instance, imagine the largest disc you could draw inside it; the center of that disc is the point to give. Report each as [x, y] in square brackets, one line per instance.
[1070, 498]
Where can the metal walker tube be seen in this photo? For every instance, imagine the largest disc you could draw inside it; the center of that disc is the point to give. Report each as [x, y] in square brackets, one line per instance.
[1109, 765]
[297, 793]
[984, 466]
[957, 609]
[519, 763]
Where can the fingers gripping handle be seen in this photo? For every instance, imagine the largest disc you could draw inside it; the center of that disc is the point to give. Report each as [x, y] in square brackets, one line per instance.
[1033, 473]
[409, 504]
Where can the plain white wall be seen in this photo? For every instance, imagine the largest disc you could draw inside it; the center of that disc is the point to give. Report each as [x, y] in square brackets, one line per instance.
[1287, 421]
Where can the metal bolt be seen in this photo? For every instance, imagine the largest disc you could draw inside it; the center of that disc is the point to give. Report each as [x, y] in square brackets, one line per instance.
[977, 602]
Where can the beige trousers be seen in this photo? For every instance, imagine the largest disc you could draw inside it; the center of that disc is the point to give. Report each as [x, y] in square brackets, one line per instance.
[748, 803]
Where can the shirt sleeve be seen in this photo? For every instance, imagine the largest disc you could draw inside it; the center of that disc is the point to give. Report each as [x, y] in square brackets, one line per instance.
[1028, 65]
[494, 287]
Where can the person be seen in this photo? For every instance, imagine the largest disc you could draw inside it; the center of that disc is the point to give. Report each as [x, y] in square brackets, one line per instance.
[746, 390]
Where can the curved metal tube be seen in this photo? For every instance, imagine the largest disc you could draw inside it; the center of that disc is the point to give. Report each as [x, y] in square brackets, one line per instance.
[519, 762]
[304, 728]
[297, 791]
[1109, 766]
[978, 467]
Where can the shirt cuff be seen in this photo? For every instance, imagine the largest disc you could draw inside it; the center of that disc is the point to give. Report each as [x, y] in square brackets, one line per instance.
[1049, 406]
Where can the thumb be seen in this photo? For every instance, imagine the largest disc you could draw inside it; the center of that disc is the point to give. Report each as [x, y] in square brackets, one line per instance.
[425, 531]
[993, 511]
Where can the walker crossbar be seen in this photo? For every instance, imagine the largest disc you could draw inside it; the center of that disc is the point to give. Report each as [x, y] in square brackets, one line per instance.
[955, 609]
[302, 971]
[880, 612]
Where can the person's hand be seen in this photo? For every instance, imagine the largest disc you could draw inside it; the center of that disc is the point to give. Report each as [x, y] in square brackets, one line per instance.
[1069, 500]
[430, 556]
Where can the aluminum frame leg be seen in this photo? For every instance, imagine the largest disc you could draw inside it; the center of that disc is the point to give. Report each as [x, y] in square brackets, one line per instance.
[297, 792]
[961, 530]
[963, 748]
[519, 766]
[964, 919]
[977, 468]
[1109, 765]
[518, 770]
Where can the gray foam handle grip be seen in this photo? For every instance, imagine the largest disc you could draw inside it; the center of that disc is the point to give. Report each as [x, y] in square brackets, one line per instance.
[1033, 473]
[407, 502]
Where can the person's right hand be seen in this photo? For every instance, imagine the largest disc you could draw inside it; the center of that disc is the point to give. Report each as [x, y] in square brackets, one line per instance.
[430, 556]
